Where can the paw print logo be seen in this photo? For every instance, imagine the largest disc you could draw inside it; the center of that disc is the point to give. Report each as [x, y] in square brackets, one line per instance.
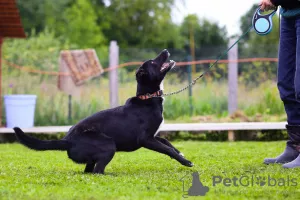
[261, 181]
[197, 188]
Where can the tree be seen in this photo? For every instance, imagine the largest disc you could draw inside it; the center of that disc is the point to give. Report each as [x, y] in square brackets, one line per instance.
[39, 51]
[206, 35]
[81, 25]
[140, 23]
[246, 21]
[73, 20]
[32, 15]
[36, 14]
[90, 23]
[255, 45]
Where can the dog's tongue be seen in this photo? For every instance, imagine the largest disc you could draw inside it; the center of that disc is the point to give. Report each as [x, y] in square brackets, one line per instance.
[164, 66]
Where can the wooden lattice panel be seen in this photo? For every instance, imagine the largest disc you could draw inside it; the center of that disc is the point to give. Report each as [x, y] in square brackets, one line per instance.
[81, 65]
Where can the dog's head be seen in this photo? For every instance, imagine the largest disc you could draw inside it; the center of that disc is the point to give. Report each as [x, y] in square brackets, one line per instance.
[152, 72]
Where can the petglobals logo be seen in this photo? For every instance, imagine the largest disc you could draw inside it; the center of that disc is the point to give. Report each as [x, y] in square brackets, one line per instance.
[251, 180]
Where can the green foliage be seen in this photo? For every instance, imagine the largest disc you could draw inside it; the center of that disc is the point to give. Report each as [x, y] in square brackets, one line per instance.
[40, 51]
[206, 33]
[263, 46]
[254, 45]
[209, 98]
[270, 102]
[32, 14]
[272, 135]
[257, 46]
[254, 73]
[94, 23]
[81, 25]
[246, 21]
[142, 23]
[37, 15]
[132, 23]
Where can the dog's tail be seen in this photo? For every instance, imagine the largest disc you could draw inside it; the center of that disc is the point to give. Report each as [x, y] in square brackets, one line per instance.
[41, 145]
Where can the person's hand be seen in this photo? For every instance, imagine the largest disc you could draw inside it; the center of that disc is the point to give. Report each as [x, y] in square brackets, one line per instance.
[266, 5]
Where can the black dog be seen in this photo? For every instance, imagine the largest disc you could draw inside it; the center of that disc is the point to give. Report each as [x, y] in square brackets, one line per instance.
[95, 139]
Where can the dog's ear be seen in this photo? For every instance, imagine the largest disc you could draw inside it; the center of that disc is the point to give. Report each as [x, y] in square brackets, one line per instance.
[141, 73]
[143, 76]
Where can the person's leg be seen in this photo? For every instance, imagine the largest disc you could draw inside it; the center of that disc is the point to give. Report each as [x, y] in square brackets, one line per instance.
[294, 124]
[286, 87]
[297, 73]
[287, 69]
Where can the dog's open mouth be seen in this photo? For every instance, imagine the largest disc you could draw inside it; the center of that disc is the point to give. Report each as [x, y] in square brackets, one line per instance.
[168, 65]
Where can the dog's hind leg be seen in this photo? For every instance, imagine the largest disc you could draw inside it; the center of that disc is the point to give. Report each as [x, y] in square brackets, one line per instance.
[92, 148]
[102, 160]
[89, 168]
[104, 153]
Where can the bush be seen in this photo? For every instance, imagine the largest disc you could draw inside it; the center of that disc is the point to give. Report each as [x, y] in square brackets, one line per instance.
[41, 51]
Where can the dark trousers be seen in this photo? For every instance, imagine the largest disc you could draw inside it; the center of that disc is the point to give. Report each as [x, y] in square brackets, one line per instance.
[289, 68]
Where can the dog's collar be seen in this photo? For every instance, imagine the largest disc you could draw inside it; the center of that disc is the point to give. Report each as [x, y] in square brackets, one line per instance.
[158, 93]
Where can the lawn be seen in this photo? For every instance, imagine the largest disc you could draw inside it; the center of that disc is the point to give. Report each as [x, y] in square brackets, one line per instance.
[26, 174]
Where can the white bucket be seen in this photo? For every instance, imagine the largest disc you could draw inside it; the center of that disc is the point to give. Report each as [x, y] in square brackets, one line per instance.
[19, 110]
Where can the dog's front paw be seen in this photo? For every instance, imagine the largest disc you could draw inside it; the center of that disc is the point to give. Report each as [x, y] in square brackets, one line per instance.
[181, 154]
[187, 163]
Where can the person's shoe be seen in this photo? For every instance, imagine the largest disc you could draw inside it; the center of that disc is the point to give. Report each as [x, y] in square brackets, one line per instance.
[291, 151]
[293, 164]
[288, 155]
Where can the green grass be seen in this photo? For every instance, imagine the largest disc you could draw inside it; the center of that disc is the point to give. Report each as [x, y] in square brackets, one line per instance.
[143, 174]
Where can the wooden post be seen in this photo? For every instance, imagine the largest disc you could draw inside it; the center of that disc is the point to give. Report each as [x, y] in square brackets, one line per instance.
[189, 68]
[1, 100]
[231, 136]
[192, 46]
[113, 74]
[232, 82]
[70, 109]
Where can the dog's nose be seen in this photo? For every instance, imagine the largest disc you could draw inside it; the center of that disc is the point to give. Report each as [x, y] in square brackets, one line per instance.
[166, 51]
